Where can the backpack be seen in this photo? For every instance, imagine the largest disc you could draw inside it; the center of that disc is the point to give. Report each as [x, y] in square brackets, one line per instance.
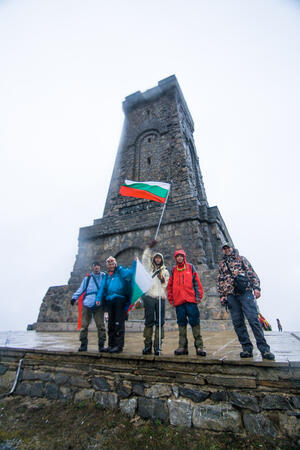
[241, 281]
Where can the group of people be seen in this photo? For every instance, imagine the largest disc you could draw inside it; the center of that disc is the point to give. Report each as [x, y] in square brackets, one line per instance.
[110, 292]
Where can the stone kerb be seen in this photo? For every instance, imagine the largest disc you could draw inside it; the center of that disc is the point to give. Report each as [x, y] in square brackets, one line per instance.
[239, 397]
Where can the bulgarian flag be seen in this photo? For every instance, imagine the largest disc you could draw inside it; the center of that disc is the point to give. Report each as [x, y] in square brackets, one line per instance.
[142, 281]
[152, 190]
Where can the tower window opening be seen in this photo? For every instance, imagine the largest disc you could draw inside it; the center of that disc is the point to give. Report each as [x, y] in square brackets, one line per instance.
[149, 139]
[149, 161]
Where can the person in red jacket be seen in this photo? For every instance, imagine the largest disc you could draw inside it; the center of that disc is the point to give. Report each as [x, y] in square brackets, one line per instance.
[184, 293]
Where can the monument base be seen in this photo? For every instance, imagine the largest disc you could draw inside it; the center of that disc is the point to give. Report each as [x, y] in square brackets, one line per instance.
[240, 397]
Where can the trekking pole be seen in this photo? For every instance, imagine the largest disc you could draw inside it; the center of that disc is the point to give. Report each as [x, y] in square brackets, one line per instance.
[159, 320]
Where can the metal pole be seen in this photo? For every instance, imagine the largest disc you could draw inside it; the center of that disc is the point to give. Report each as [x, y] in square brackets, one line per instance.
[159, 320]
[162, 213]
[15, 382]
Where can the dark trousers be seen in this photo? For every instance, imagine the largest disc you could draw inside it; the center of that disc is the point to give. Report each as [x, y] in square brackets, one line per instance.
[116, 322]
[151, 306]
[187, 312]
[241, 306]
[87, 315]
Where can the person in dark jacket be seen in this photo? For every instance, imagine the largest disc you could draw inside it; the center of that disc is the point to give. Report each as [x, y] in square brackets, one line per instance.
[90, 307]
[185, 292]
[241, 302]
[115, 293]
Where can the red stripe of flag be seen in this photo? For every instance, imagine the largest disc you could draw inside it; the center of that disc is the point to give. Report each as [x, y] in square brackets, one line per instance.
[130, 192]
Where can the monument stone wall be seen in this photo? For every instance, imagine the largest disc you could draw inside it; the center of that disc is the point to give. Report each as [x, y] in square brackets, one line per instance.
[156, 144]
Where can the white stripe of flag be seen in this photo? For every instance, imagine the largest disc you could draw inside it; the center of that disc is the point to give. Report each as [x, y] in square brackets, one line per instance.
[142, 281]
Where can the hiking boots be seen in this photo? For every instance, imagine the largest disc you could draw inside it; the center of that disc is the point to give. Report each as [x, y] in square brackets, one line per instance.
[198, 342]
[84, 344]
[148, 331]
[147, 350]
[246, 354]
[183, 342]
[268, 355]
[116, 349]
[181, 351]
[83, 347]
[103, 349]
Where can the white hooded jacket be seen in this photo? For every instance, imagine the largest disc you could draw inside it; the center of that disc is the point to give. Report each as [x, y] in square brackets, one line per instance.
[158, 287]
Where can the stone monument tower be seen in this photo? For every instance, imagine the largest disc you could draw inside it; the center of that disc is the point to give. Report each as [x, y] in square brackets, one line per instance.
[156, 145]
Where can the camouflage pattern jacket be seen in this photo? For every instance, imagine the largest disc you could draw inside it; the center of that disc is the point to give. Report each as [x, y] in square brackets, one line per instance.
[236, 263]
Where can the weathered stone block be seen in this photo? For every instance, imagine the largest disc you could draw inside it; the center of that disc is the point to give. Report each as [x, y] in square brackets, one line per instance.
[159, 390]
[51, 391]
[65, 394]
[109, 400]
[84, 394]
[149, 408]
[123, 391]
[180, 413]
[296, 402]
[100, 384]
[259, 424]
[175, 390]
[79, 382]
[275, 401]
[138, 388]
[61, 378]
[3, 369]
[290, 425]
[128, 407]
[35, 375]
[23, 389]
[237, 382]
[244, 401]
[219, 396]
[7, 380]
[194, 394]
[217, 418]
[36, 390]
[282, 385]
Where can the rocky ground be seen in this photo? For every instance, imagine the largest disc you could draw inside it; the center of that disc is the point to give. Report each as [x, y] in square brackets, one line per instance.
[27, 423]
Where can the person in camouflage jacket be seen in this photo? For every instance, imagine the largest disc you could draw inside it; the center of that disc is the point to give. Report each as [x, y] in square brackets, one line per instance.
[237, 264]
[242, 304]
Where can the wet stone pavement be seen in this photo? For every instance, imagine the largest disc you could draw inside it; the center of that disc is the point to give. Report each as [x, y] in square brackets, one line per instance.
[218, 345]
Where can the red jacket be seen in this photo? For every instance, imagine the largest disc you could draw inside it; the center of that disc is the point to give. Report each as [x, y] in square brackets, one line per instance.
[184, 284]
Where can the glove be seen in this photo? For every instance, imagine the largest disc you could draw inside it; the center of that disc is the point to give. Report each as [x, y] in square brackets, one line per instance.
[72, 301]
[161, 277]
[224, 302]
[152, 243]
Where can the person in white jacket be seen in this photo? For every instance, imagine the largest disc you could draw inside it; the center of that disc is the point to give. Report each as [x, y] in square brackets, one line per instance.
[154, 263]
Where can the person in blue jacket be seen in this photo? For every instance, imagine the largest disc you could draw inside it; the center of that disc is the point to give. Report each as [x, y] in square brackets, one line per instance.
[114, 293]
[91, 307]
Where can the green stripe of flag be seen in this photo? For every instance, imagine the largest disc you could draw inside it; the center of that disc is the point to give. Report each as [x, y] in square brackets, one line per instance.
[156, 190]
[142, 281]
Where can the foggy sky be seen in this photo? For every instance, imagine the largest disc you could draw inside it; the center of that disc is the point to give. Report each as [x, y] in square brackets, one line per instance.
[66, 67]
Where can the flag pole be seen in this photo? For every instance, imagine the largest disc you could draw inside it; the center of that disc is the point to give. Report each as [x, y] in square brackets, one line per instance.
[162, 213]
[159, 320]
